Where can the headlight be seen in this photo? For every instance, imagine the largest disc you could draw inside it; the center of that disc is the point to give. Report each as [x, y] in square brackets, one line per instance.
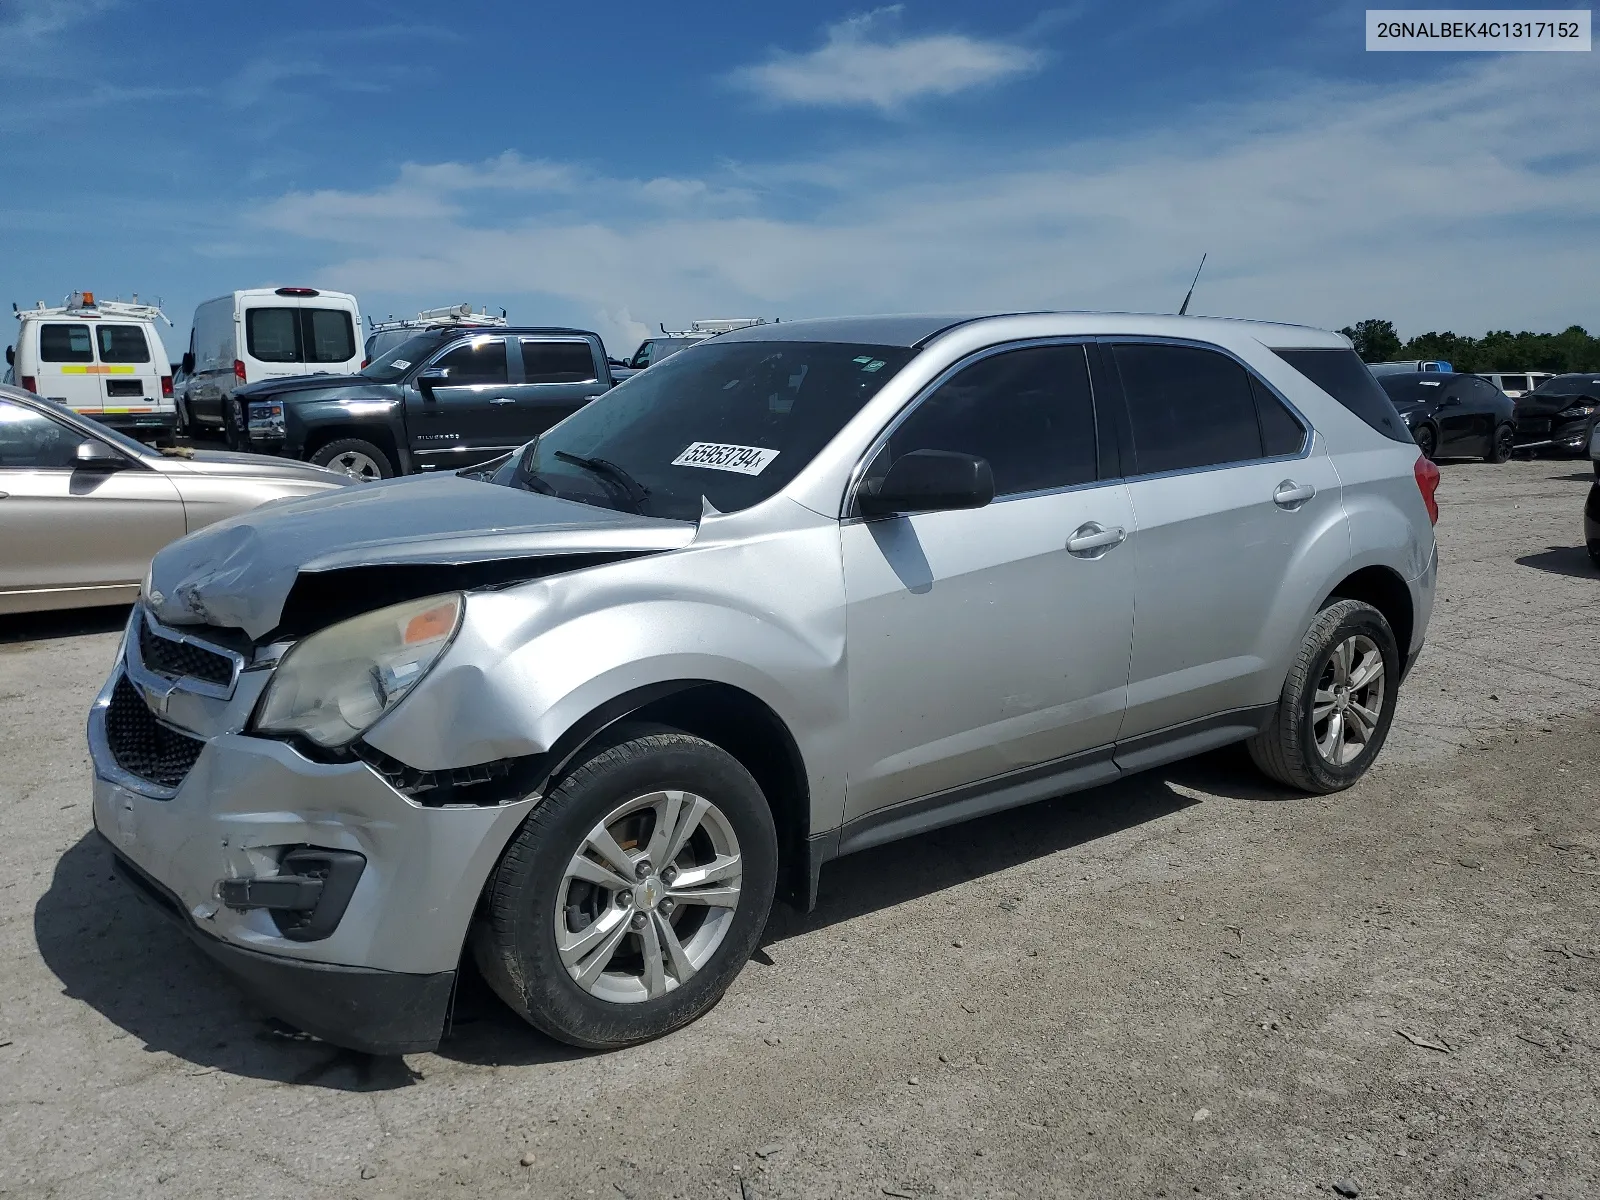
[266, 419]
[334, 686]
[1576, 411]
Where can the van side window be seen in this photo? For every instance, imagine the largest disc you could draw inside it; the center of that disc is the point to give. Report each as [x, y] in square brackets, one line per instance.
[1189, 407]
[269, 334]
[557, 362]
[122, 344]
[1030, 412]
[65, 343]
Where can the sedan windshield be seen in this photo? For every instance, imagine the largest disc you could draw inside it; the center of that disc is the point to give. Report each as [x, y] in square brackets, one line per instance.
[392, 366]
[1569, 385]
[726, 422]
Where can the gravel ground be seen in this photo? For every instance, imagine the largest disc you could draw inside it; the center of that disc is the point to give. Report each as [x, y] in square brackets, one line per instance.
[1187, 984]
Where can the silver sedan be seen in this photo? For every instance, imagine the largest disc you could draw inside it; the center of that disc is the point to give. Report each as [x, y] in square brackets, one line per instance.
[83, 508]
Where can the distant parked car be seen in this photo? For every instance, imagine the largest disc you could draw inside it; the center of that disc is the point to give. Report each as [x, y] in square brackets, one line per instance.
[653, 350]
[1409, 365]
[1454, 415]
[83, 508]
[1515, 384]
[1559, 414]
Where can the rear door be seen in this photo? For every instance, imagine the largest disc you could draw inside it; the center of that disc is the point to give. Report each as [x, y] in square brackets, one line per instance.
[65, 530]
[1227, 494]
[460, 420]
[66, 366]
[559, 376]
[1463, 415]
[129, 372]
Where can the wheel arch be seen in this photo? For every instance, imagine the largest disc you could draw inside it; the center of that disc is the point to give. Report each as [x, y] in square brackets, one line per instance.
[1384, 589]
[378, 435]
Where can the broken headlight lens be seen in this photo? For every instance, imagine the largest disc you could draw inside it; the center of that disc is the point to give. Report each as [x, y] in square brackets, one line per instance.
[333, 686]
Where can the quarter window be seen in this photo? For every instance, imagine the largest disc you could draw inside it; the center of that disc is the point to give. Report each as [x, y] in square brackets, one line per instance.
[1188, 407]
[1281, 431]
[557, 362]
[1029, 412]
[65, 343]
[482, 360]
[123, 344]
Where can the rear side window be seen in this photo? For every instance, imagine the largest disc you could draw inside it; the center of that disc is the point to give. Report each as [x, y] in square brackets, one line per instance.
[1029, 412]
[65, 343]
[270, 334]
[557, 362]
[1188, 407]
[1343, 375]
[482, 360]
[123, 344]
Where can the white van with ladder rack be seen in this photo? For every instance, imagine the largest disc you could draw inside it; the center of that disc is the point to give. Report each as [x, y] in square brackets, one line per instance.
[104, 360]
[384, 336]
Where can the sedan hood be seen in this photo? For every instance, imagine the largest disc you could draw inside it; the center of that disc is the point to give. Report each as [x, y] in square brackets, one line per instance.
[238, 574]
[184, 461]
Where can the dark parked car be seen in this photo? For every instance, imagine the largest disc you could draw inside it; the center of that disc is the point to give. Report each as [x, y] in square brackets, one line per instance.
[1559, 413]
[1591, 520]
[444, 398]
[1454, 415]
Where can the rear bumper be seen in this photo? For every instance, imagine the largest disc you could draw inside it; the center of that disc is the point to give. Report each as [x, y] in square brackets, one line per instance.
[376, 1012]
[136, 423]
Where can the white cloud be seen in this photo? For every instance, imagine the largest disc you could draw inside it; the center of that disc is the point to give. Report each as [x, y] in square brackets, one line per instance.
[857, 67]
[1464, 203]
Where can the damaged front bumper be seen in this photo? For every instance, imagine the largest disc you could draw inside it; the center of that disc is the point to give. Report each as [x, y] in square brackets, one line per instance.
[337, 902]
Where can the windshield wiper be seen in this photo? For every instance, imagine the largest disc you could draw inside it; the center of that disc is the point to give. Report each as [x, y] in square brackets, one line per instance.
[632, 490]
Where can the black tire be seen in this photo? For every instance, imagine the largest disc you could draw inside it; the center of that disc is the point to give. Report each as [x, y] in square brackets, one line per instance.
[1287, 749]
[181, 425]
[1597, 468]
[514, 938]
[353, 450]
[1501, 448]
[1427, 441]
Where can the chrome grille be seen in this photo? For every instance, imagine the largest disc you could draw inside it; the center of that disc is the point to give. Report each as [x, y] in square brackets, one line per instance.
[180, 660]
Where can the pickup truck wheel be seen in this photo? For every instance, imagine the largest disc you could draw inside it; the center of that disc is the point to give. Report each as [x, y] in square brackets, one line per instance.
[357, 459]
[634, 892]
[1337, 704]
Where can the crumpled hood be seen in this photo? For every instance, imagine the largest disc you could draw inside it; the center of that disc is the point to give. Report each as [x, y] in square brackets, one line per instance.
[238, 573]
[1532, 404]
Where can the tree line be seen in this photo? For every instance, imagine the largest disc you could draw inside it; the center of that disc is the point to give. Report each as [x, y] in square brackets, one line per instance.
[1573, 349]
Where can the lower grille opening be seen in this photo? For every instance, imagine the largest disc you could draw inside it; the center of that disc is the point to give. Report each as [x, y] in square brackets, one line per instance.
[142, 745]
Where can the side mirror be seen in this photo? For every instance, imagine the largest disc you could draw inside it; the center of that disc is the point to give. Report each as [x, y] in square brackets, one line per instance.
[431, 377]
[11, 356]
[1450, 402]
[187, 363]
[930, 481]
[93, 455]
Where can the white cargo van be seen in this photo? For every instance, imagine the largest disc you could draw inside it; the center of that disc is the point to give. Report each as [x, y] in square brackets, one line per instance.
[104, 360]
[266, 333]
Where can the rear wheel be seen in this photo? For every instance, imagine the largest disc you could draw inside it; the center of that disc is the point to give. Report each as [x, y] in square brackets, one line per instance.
[1500, 449]
[356, 458]
[634, 892]
[1427, 441]
[1337, 704]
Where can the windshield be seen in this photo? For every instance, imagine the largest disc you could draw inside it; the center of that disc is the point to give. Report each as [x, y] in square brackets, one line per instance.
[392, 366]
[1569, 385]
[729, 423]
[1414, 388]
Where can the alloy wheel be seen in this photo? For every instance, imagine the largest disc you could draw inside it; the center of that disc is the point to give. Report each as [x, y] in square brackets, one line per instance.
[648, 897]
[1426, 442]
[356, 465]
[1348, 701]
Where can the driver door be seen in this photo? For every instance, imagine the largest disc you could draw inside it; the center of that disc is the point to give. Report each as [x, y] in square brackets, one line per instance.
[979, 644]
[73, 532]
[454, 421]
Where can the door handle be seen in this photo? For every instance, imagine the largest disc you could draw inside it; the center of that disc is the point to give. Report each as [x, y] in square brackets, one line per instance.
[1093, 539]
[503, 400]
[1292, 495]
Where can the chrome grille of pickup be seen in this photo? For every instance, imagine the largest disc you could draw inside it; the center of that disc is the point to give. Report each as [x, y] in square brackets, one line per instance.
[142, 745]
[178, 660]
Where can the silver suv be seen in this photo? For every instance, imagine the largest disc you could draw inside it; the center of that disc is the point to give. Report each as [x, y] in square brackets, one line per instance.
[794, 592]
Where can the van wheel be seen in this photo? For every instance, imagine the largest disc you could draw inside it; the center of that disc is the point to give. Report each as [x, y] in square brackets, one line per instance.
[1337, 704]
[634, 892]
[357, 459]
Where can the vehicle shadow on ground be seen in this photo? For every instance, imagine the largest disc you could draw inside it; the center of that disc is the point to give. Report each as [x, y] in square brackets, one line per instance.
[1562, 560]
[38, 627]
[131, 965]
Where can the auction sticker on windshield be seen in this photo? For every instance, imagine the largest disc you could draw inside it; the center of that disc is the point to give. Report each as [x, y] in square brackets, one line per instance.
[715, 456]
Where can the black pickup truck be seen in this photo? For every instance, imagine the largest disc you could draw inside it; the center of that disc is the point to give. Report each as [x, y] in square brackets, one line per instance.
[444, 399]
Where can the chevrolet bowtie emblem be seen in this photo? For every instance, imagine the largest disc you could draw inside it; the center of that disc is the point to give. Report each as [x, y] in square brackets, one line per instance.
[157, 698]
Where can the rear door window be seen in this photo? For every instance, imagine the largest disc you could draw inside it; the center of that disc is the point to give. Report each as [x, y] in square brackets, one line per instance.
[1343, 375]
[482, 360]
[122, 344]
[1188, 407]
[1514, 383]
[557, 362]
[312, 335]
[327, 334]
[272, 334]
[62, 343]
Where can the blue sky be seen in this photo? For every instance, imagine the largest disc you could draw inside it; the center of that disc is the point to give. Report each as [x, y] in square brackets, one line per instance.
[614, 166]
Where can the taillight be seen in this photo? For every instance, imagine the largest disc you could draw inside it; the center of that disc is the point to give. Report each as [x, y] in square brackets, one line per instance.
[166, 385]
[30, 384]
[238, 370]
[1428, 483]
[365, 363]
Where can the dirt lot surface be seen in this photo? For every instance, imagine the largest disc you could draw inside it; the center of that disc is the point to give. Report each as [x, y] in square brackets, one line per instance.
[1188, 984]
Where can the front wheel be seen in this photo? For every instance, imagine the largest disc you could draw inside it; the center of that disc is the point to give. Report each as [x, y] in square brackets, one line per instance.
[634, 892]
[356, 458]
[1500, 449]
[1337, 704]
